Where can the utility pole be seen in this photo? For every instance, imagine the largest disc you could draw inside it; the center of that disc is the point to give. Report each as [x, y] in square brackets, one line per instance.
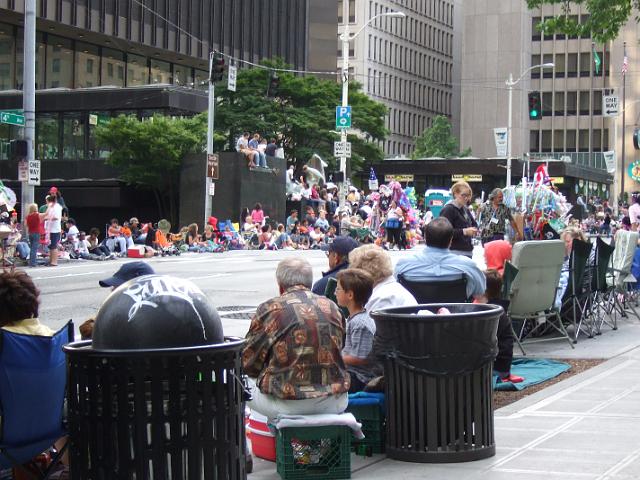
[210, 117]
[345, 94]
[29, 96]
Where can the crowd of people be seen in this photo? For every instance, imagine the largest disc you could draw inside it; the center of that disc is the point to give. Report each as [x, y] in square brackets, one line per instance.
[315, 342]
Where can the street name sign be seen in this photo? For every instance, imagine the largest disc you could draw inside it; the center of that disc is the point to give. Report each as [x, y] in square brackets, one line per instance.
[12, 118]
[343, 117]
[342, 149]
[610, 105]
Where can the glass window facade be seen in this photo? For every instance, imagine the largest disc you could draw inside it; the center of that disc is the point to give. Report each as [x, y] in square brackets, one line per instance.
[66, 63]
[113, 67]
[87, 63]
[137, 70]
[160, 72]
[60, 63]
[7, 57]
[47, 136]
[73, 138]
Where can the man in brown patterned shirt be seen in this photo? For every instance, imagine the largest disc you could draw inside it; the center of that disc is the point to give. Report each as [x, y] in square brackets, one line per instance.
[293, 351]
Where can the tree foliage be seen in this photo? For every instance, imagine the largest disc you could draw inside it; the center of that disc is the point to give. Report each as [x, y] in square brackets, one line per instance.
[438, 141]
[149, 153]
[301, 111]
[606, 17]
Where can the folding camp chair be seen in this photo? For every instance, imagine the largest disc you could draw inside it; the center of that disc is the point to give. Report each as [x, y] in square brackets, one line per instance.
[602, 299]
[621, 278]
[575, 301]
[443, 291]
[533, 291]
[508, 277]
[33, 379]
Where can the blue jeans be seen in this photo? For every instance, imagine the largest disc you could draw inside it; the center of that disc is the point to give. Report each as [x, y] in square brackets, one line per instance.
[262, 159]
[34, 242]
[23, 250]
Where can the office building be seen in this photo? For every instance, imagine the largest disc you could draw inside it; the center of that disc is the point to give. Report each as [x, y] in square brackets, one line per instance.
[499, 41]
[410, 64]
[101, 58]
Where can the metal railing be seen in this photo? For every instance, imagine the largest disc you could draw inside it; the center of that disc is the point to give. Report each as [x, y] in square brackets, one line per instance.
[583, 159]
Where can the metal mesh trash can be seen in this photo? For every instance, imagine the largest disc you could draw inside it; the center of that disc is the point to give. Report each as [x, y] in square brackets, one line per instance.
[438, 377]
[172, 413]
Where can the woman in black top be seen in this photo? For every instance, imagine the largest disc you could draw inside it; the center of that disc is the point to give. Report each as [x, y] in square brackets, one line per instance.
[464, 226]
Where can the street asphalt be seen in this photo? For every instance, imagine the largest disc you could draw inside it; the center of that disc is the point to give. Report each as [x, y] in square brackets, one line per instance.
[584, 428]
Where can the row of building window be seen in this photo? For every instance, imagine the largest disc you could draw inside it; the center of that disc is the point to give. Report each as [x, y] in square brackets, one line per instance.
[566, 65]
[561, 104]
[409, 60]
[536, 35]
[439, 10]
[418, 32]
[66, 63]
[410, 92]
[190, 27]
[568, 140]
[395, 148]
[68, 135]
[407, 124]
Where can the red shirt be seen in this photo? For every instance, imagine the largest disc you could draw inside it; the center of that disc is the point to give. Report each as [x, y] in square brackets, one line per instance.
[33, 223]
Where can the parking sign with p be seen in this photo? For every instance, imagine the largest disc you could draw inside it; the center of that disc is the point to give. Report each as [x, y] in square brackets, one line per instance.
[343, 117]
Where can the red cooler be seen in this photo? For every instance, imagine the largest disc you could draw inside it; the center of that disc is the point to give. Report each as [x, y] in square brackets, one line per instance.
[263, 442]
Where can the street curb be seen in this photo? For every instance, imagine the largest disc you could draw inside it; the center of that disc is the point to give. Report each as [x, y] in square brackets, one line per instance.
[548, 392]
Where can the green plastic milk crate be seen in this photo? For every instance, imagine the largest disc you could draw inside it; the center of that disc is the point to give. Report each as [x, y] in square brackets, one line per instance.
[314, 452]
[372, 420]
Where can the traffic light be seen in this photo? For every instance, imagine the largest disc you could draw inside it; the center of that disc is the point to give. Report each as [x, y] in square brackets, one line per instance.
[535, 106]
[274, 84]
[217, 72]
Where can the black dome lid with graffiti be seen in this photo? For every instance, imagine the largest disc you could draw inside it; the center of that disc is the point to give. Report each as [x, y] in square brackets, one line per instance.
[156, 311]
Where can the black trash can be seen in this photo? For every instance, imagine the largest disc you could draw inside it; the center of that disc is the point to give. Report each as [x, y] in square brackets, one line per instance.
[438, 377]
[175, 413]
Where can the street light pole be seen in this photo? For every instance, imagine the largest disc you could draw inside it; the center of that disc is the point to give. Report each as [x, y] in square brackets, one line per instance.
[29, 97]
[345, 94]
[346, 38]
[510, 84]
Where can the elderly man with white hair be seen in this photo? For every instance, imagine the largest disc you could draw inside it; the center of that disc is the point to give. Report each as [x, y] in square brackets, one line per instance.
[293, 351]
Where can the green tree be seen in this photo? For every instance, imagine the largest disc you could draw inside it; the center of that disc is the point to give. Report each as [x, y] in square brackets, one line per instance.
[301, 111]
[606, 17]
[148, 154]
[438, 141]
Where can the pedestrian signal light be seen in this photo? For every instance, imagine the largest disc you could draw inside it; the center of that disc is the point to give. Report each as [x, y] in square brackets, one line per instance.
[535, 106]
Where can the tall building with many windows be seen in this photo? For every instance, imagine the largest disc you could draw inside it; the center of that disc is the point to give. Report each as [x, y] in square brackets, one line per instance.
[100, 58]
[574, 126]
[410, 64]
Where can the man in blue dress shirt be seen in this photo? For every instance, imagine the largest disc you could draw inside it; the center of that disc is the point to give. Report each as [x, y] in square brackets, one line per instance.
[437, 263]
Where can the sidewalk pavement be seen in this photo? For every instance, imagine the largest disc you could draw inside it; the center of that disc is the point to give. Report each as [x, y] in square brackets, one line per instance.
[584, 428]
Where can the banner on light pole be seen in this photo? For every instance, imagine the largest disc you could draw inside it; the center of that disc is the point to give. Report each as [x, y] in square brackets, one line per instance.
[610, 161]
[500, 136]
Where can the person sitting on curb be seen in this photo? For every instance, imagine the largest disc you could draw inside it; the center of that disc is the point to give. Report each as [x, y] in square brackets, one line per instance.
[293, 350]
[353, 292]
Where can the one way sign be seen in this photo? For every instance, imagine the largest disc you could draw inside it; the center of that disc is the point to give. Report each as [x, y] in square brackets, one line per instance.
[610, 105]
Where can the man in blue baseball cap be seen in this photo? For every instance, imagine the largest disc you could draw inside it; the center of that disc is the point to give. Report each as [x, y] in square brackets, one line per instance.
[127, 272]
[338, 256]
